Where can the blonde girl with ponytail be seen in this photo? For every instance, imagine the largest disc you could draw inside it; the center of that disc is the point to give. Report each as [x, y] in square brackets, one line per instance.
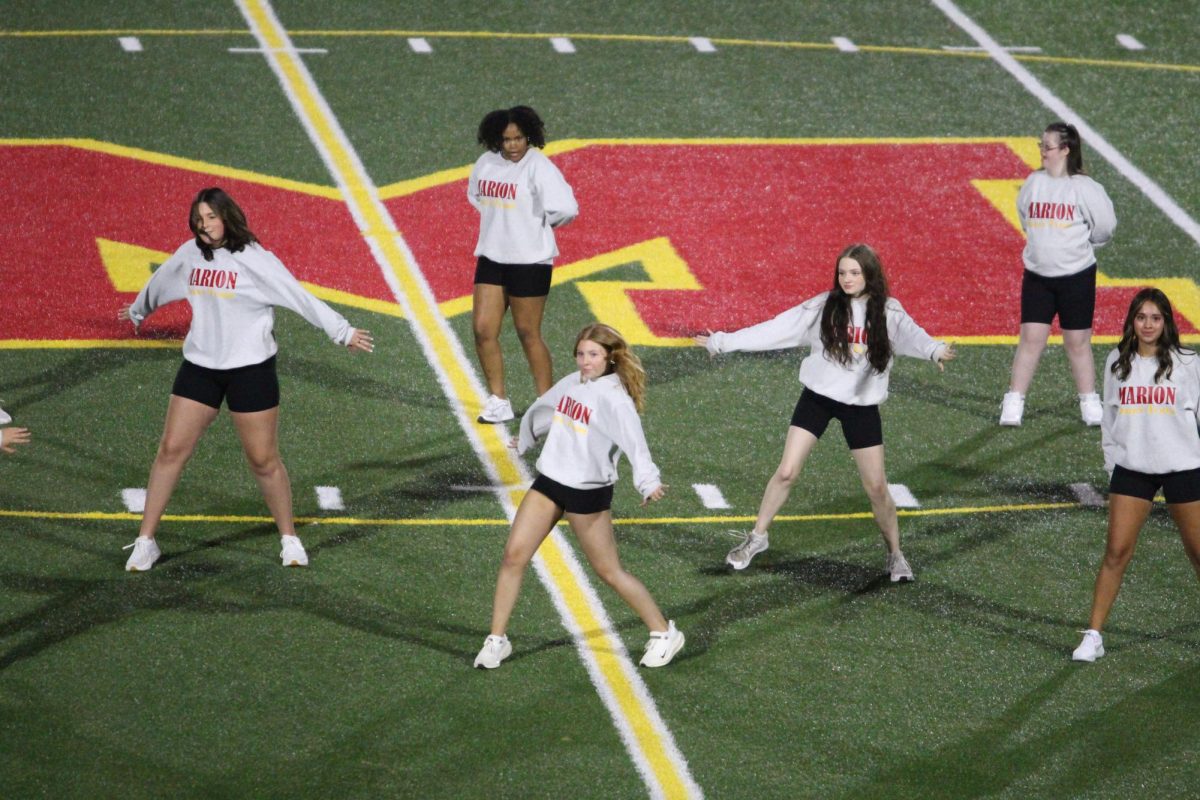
[588, 418]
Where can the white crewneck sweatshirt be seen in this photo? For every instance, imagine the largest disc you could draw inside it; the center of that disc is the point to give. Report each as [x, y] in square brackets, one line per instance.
[856, 383]
[232, 299]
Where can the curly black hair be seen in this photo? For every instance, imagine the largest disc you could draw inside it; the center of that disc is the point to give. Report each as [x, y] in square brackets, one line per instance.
[491, 130]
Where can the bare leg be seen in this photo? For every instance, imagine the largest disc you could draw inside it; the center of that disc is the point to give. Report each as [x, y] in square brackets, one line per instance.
[187, 420]
[1187, 518]
[259, 432]
[1078, 345]
[1030, 346]
[535, 518]
[527, 315]
[874, 481]
[487, 312]
[595, 533]
[1126, 516]
[796, 447]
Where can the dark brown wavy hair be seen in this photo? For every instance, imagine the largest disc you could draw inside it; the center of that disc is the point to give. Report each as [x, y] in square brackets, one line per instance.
[1168, 341]
[237, 232]
[836, 316]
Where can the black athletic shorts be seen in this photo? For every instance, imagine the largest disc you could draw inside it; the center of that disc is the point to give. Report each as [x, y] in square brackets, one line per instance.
[1071, 297]
[518, 280]
[576, 501]
[861, 425]
[245, 389]
[1177, 487]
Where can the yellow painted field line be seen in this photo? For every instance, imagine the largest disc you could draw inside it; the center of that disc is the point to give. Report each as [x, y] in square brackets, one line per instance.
[645, 734]
[466, 522]
[178, 162]
[602, 37]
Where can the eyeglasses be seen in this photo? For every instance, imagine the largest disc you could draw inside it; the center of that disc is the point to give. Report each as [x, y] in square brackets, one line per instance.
[1045, 148]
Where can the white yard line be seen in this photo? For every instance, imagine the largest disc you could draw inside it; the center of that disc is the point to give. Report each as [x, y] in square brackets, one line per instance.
[710, 495]
[329, 498]
[134, 500]
[1129, 42]
[902, 496]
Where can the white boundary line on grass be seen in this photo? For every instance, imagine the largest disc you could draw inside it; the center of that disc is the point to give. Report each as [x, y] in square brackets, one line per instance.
[643, 731]
[1141, 180]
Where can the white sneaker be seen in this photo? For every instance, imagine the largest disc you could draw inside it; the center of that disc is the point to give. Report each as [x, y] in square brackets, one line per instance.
[5, 417]
[292, 554]
[1012, 408]
[495, 649]
[663, 646]
[1090, 409]
[145, 553]
[740, 556]
[496, 410]
[1091, 648]
[897, 567]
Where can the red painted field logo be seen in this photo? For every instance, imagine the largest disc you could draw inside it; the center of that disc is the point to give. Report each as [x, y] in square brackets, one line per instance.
[725, 234]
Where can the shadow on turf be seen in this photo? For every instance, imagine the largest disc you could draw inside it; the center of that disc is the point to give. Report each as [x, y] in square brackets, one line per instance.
[77, 606]
[1073, 759]
[796, 582]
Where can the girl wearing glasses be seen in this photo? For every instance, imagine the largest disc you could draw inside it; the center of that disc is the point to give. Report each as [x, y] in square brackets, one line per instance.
[1065, 215]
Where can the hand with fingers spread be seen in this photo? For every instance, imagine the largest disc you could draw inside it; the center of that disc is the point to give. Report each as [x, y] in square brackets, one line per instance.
[13, 436]
[362, 340]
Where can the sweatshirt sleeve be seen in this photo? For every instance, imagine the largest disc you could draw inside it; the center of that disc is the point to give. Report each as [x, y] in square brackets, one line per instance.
[909, 338]
[280, 288]
[166, 285]
[557, 201]
[1108, 419]
[473, 188]
[625, 429]
[537, 418]
[1023, 203]
[1098, 211]
[792, 328]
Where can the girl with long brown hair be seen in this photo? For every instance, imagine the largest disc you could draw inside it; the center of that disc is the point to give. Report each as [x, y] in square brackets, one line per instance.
[854, 331]
[1150, 440]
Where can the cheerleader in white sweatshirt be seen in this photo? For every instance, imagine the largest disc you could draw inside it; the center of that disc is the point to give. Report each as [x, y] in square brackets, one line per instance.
[232, 285]
[853, 330]
[1066, 215]
[588, 418]
[1150, 435]
[521, 198]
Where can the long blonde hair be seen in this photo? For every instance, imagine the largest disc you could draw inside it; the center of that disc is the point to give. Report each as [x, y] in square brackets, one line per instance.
[621, 359]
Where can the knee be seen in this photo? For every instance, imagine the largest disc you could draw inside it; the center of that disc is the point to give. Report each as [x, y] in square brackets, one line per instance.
[171, 451]
[877, 490]
[263, 463]
[485, 336]
[1079, 349]
[1117, 557]
[611, 575]
[528, 335]
[786, 476]
[513, 560]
